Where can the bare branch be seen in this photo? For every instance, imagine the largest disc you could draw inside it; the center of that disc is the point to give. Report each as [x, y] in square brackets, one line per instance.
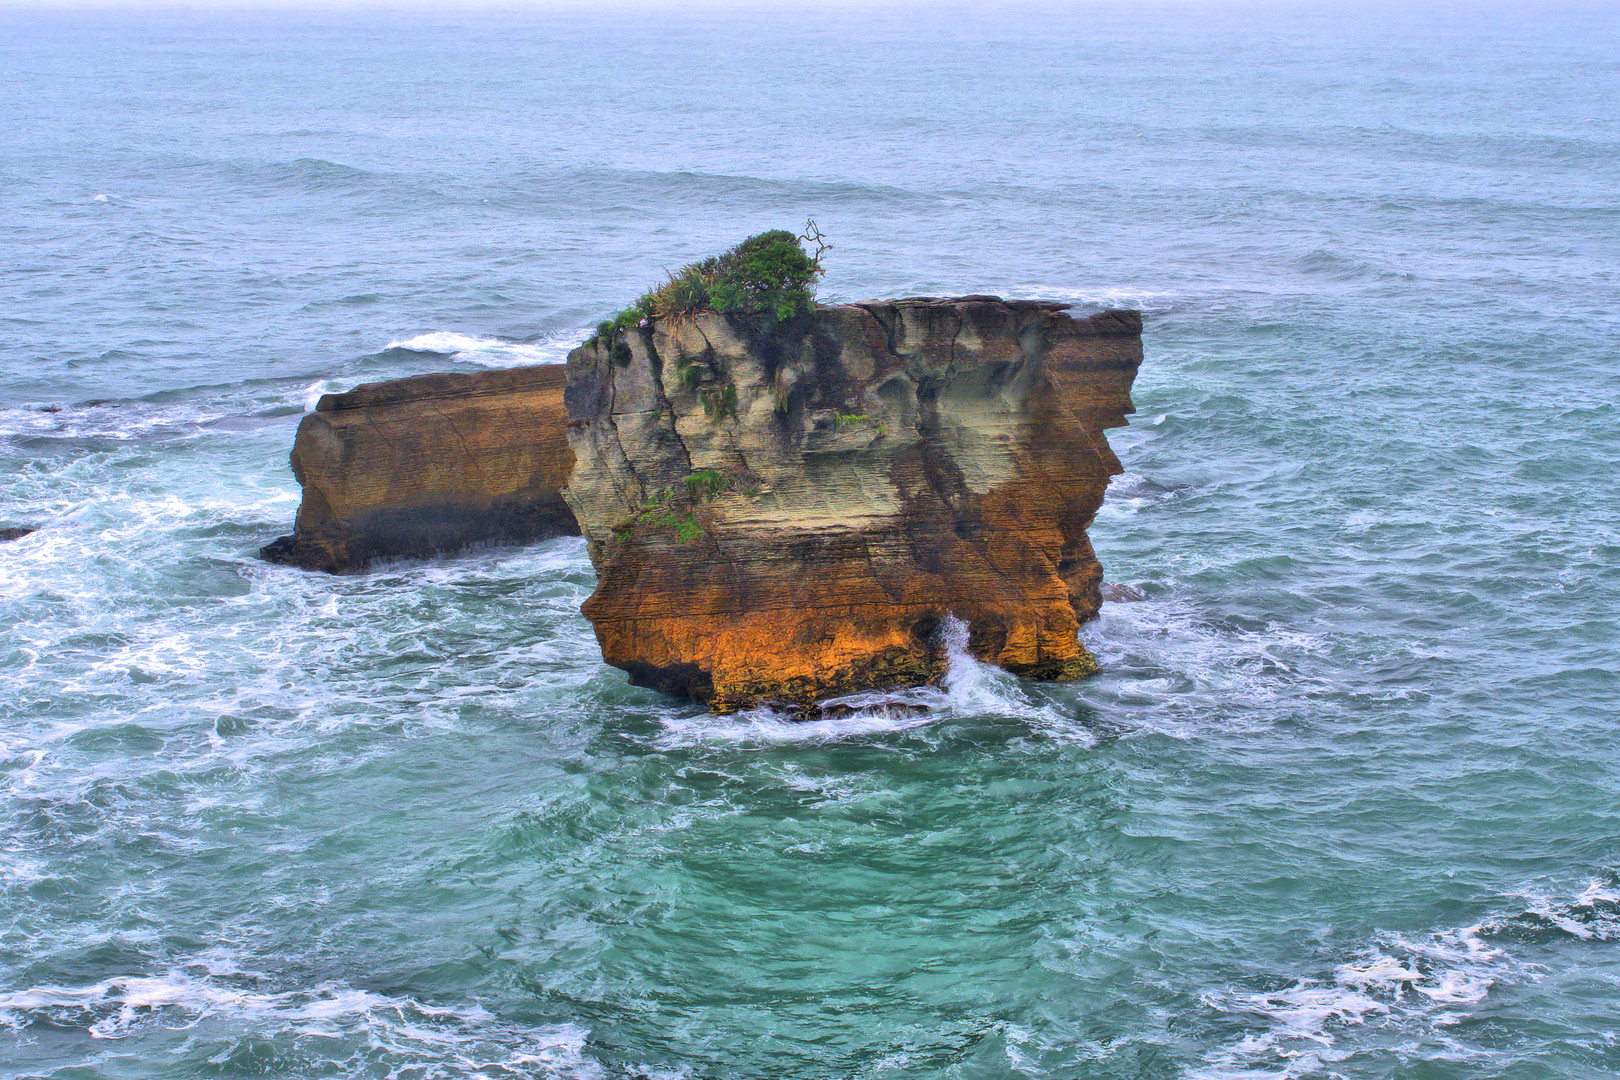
[813, 235]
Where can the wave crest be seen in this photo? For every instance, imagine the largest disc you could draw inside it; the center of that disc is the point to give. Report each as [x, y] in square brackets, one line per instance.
[493, 352]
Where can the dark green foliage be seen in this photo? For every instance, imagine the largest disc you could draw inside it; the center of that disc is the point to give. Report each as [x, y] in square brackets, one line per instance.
[767, 277]
[621, 353]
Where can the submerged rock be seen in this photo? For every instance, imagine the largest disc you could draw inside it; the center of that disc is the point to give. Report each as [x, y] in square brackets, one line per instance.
[783, 517]
[420, 466]
[15, 532]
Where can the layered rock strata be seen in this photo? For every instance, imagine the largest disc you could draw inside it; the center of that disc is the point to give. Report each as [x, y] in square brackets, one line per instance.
[430, 464]
[782, 517]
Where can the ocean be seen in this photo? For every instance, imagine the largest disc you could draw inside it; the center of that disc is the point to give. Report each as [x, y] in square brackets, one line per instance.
[1345, 801]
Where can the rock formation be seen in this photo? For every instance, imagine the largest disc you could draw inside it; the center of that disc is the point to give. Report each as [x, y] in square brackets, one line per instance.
[414, 467]
[781, 517]
[775, 515]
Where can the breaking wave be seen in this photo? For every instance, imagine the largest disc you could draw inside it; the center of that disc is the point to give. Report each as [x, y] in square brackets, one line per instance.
[329, 1025]
[494, 352]
[1407, 984]
[969, 689]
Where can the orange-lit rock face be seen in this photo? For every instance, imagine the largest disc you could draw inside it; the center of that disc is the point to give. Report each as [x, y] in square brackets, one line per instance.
[784, 518]
[418, 466]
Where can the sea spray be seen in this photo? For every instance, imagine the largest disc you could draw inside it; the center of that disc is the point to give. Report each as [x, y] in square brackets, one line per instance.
[494, 352]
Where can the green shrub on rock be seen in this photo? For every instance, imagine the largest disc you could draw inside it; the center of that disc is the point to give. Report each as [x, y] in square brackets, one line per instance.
[767, 277]
[705, 483]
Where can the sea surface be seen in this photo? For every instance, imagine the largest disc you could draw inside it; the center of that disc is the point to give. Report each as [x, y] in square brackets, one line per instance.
[1345, 801]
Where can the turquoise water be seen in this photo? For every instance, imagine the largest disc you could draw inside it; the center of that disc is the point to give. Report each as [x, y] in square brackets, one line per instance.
[1346, 801]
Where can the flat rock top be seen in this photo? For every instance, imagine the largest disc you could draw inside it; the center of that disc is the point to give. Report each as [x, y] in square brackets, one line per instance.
[971, 298]
[1115, 322]
[447, 384]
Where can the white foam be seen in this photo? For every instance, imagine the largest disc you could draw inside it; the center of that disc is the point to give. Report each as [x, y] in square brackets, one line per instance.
[968, 689]
[1592, 916]
[462, 1041]
[767, 727]
[1134, 491]
[1106, 296]
[1596, 892]
[1384, 972]
[1152, 653]
[18, 869]
[1304, 1010]
[977, 689]
[1300, 1027]
[90, 576]
[493, 352]
[190, 417]
[113, 420]
[1425, 983]
[317, 390]
[1457, 988]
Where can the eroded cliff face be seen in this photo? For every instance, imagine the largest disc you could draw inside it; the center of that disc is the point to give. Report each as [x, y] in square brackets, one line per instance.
[791, 516]
[414, 467]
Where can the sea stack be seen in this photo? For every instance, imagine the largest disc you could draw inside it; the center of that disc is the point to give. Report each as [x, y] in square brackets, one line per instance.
[778, 512]
[781, 516]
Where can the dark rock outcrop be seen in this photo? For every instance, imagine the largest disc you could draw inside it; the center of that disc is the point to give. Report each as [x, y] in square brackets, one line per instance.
[15, 532]
[415, 467]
